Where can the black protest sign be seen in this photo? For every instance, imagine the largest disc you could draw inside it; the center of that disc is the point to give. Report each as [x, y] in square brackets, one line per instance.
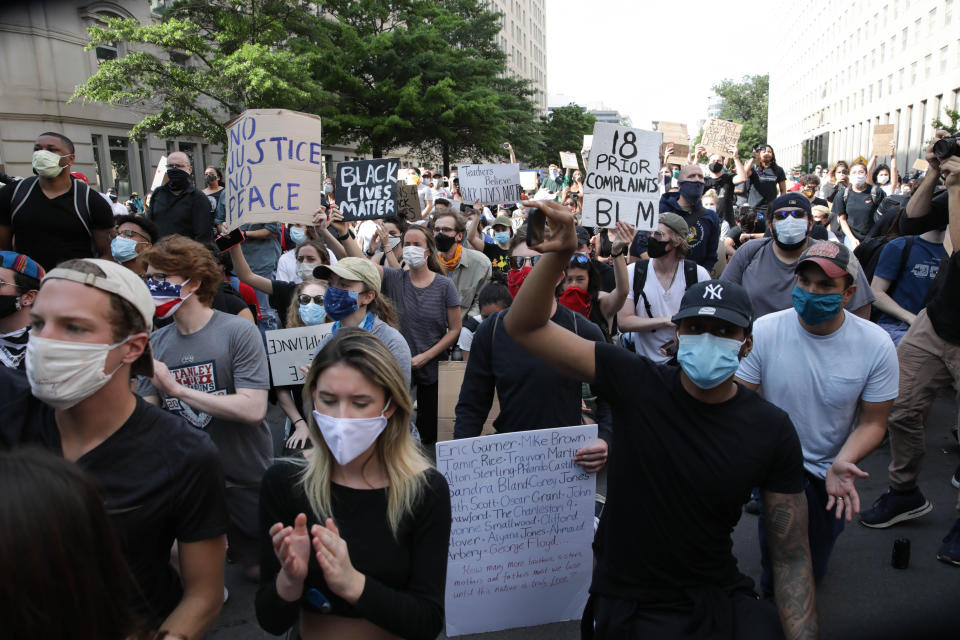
[367, 189]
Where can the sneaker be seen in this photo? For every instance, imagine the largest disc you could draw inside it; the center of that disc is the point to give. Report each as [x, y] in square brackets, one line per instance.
[890, 508]
[950, 549]
[955, 480]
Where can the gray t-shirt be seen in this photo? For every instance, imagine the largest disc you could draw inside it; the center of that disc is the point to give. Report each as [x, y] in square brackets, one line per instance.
[423, 314]
[225, 355]
[770, 282]
[262, 255]
[390, 337]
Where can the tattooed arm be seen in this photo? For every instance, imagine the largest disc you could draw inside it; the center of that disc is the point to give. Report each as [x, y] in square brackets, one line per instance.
[786, 518]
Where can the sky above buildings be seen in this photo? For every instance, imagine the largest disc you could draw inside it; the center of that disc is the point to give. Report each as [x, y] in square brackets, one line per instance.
[654, 61]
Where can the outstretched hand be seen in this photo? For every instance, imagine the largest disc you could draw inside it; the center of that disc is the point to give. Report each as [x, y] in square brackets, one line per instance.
[841, 491]
[563, 232]
[291, 545]
[624, 236]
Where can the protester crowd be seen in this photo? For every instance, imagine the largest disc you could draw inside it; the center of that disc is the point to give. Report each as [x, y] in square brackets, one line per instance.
[750, 350]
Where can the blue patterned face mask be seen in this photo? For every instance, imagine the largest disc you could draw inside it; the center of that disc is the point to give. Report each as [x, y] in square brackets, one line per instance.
[340, 303]
[707, 359]
[312, 313]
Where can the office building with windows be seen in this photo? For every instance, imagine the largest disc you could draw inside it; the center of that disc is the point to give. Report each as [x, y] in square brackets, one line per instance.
[524, 39]
[862, 64]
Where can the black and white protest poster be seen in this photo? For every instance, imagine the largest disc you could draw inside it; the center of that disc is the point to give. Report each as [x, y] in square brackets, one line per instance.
[367, 189]
[622, 180]
[408, 202]
[490, 183]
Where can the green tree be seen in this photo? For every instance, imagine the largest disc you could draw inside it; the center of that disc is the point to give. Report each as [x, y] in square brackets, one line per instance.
[953, 127]
[562, 130]
[746, 103]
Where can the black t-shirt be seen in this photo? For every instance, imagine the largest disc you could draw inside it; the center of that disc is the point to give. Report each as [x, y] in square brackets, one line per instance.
[760, 226]
[161, 481]
[227, 299]
[608, 280]
[405, 574]
[499, 257]
[943, 310]
[50, 230]
[282, 298]
[723, 185]
[858, 206]
[764, 185]
[679, 473]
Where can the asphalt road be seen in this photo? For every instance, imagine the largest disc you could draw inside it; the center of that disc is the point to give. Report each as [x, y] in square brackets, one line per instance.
[862, 596]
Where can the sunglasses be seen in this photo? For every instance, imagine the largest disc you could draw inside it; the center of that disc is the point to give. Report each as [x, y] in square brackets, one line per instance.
[781, 214]
[518, 262]
[305, 299]
[580, 260]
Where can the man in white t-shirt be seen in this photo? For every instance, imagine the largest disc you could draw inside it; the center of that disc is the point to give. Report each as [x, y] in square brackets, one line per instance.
[837, 376]
[645, 316]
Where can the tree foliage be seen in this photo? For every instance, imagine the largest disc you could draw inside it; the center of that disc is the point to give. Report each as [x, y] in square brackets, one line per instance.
[746, 103]
[562, 130]
[953, 127]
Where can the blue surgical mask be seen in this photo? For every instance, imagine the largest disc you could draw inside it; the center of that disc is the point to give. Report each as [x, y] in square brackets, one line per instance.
[691, 190]
[792, 230]
[298, 235]
[312, 313]
[123, 249]
[707, 359]
[327, 187]
[340, 303]
[502, 238]
[816, 308]
[676, 173]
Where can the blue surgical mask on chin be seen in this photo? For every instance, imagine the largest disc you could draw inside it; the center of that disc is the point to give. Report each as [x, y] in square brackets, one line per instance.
[707, 359]
[816, 308]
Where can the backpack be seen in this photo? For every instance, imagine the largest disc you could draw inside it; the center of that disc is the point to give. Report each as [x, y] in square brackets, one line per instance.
[81, 199]
[868, 253]
[640, 278]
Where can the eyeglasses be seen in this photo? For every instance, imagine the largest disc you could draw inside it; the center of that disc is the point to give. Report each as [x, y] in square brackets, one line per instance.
[158, 277]
[305, 299]
[781, 214]
[518, 262]
[580, 260]
[12, 284]
[130, 233]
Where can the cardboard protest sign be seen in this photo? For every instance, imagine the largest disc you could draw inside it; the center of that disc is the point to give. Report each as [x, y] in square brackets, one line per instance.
[408, 202]
[274, 167]
[622, 178]
[679, 154]
[569, 160]
[882, 137]
[290, 349]
[160, 174]
[721, 137]
[522, 529]
[528, 180]
[367, 189]
[450, 379]
[490, 183]
[673, 132]
[920, 164]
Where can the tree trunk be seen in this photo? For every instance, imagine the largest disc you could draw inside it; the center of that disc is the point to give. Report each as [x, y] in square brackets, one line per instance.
[377, 151]
[446, 158]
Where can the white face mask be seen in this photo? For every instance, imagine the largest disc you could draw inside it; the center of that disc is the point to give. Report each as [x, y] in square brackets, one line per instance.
[392, 242]
[305, 270]
[858, 179]
[883, 179]
[63, 373]
[791, 230]
[46, 164]
[414, 256]
[349, 437]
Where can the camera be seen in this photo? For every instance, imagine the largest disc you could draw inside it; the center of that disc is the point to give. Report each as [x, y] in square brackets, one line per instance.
[946, 147]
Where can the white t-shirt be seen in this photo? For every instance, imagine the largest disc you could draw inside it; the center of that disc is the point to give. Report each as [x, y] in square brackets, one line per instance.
[466, 336]
[663, 303]
[820, 380]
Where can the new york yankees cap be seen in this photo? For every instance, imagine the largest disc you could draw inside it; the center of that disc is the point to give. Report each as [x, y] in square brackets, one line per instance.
[716, 299]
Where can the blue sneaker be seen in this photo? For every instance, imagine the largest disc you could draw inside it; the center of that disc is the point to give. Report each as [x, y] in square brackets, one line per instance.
[891, 508]
[950, 549]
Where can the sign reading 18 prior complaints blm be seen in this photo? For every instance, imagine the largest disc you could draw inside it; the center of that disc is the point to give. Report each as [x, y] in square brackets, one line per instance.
[622, 178]
[522, 527]
[367, 189]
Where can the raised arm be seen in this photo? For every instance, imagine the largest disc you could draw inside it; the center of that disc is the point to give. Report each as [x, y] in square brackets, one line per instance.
[611, 302]
[743, 171]
[246, 275]
[870, 165]
[528, 320]
[951, 169]
[473, 234]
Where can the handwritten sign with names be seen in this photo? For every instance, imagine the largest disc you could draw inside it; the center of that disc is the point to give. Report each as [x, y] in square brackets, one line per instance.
[622, 178]
[367, 189]
[290, 349]
[522, 528]
[274, 167]
[490, 183]
[720, 137]
[408, 202]
[568, 160]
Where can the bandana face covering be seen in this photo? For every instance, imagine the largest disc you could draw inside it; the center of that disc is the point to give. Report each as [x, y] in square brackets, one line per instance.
[576, 299]
[166, 297]
[515, 278]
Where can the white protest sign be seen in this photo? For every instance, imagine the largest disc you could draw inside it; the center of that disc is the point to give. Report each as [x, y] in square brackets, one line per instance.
[522, 528]
[161, 172]
[490, 183]
[528, 180]
[274, 167]
[569, 160]
[290, 349]
[622, 178]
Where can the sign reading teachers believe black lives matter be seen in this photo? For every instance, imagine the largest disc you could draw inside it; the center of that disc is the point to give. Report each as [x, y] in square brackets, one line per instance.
[622, 178]
[367, 189]
[490, 183]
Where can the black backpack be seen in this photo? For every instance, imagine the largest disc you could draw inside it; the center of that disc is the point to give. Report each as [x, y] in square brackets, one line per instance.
[868, 253]
[81, 202]
[640, 277]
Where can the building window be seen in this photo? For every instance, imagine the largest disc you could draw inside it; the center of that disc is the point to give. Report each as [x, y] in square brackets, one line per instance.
[900, 79]
[107, 51]
[947, 12]
[120, 164]
[903, 39]
[889, 84]
[943, 59]
[916, 30]
[883, 52]
[927, 66]
[913, 74]
[931, 20]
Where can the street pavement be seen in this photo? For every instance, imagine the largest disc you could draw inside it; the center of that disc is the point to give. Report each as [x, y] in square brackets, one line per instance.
[862, 597]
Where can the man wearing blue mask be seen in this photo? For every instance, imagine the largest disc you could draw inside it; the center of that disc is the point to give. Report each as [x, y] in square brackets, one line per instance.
[704, 225]
[765, 266]
[688, 445]
[134, 235]
[836, 375]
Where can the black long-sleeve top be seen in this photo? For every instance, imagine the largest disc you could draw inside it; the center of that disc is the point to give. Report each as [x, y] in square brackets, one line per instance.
[532, 394]
[405, 575]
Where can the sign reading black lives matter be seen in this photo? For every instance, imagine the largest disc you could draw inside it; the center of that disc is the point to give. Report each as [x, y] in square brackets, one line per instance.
[622, 178]
[367, 189]
[490, 183]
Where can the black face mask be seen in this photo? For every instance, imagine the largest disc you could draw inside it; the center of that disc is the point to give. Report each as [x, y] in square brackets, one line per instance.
[8, 305]
[179, 179]
[209, 179]
[715, 167]
[656, 248]
[445, 242]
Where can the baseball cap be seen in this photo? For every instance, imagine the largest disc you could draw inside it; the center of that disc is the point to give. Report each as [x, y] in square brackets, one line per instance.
[717, 299]
[21, 264]
[121, 282]
[351, 269]
[676, 223]
[503, 220]
[791, 201]
[835, 259]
